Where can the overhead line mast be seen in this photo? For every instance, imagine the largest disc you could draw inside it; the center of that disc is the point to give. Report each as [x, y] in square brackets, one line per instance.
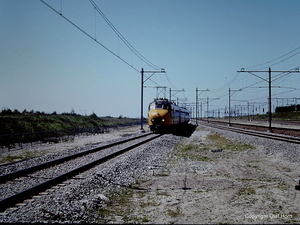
[142, 92]
[270, 88]
[197, 100]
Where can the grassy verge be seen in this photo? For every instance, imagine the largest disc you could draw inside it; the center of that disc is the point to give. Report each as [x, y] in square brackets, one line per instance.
[196, 151]
[121, 208]
[24, 155]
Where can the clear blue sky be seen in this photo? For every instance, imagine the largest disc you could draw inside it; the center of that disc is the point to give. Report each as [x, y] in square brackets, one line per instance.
[47, 64]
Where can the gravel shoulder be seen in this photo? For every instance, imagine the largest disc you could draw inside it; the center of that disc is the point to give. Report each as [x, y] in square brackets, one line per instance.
[211, 177]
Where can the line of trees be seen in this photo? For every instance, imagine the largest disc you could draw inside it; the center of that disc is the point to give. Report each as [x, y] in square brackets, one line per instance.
[15, 112]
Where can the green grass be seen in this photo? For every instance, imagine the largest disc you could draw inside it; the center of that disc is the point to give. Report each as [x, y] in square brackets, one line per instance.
[246, 191]
[174, 213]
[197, 152]
[217, 141]
[24, 155]
[120, 205]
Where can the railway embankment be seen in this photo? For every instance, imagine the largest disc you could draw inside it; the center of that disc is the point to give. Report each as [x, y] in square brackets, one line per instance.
[213, 176]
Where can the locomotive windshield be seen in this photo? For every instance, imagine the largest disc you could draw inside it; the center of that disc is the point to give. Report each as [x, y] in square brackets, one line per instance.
[160, 105]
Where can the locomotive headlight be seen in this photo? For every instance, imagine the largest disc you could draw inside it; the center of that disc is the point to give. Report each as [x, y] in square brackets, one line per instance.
[162, 120]
[152, 120]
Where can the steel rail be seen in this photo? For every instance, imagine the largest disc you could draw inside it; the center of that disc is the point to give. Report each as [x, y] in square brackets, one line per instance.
[272, 136]
[21, 196]
[255, 125]
[19, 173]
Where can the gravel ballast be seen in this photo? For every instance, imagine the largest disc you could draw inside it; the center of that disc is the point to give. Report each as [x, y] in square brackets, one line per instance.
[162, 183]
[73, 202]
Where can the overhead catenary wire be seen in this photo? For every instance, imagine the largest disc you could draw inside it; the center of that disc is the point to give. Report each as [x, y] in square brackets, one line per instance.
[227, 84]
[275, 78]
[102, 45]
[138, 54]
[276, 94]
[170, 82]
[266, 63]
[284, 59]
[120, 36]
[278, 76]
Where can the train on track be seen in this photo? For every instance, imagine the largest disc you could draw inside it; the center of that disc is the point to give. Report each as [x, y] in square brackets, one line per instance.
[164, 115]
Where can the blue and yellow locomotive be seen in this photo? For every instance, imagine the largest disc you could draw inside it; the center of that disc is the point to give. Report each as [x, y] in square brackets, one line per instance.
[163, 115]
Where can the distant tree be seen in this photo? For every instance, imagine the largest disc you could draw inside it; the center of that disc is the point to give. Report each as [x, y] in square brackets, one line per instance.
[73, 112]
[6, 112]
[16, 112]
[93, 115]
[25, 112]
[54, 113]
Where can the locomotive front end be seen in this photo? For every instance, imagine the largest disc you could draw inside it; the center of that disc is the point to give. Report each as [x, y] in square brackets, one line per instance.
[159, 115]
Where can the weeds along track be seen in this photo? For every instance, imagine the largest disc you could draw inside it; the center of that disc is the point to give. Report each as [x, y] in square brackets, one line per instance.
[267, 135]
[23, 184]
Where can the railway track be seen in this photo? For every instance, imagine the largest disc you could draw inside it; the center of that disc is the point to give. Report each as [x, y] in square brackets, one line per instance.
[23, 184]
[272, 136]
[23, 172]
[281, 127]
